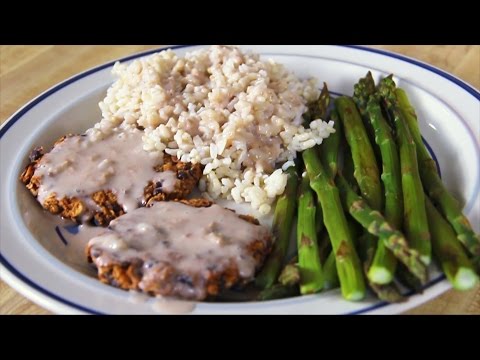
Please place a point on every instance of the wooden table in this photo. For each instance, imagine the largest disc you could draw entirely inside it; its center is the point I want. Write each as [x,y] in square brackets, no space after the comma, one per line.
[26,71]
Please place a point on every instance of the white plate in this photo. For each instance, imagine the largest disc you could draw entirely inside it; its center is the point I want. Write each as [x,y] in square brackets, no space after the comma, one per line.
[36,263]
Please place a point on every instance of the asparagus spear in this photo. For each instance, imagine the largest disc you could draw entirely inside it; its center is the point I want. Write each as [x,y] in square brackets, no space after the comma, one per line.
[311,274]
[348,263]
[310,251]
[278,291]
[385,292]
[287,285]
[455,263]
[384,263]
[388,292]
[330,273]
[376,225]
[434,186]
[331,145]
[348,168]
[319,110]
[416,224]
[366,171]
[282,228]
[321,177]
[362,92]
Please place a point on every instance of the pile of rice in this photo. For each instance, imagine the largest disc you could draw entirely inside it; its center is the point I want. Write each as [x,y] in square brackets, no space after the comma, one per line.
[237,115]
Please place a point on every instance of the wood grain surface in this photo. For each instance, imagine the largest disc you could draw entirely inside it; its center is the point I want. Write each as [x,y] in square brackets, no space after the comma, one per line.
[26,71]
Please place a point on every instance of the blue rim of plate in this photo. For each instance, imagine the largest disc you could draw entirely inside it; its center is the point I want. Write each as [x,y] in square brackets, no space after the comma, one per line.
[75,78]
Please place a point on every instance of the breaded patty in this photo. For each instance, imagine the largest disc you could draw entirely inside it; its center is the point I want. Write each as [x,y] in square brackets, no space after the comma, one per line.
[187,175]
[101,204]
[191,250]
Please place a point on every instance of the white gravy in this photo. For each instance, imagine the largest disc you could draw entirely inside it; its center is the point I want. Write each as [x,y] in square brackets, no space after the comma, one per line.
[173,306]
[78,167]
[193,240]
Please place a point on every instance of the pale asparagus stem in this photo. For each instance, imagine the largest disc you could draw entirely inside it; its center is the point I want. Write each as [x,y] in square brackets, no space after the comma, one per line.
[434,186]
[415,223]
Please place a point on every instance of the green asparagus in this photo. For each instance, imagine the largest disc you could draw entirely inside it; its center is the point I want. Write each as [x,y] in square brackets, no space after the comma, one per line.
[362,92]
[331,145]
[434,186]
[310,267]
[319,110]
[282,228]
[384,263]
[366,171]
[455,264]
[387,292]
[348,263]
[415,216]
[365,164]
[375,224]
[330,273]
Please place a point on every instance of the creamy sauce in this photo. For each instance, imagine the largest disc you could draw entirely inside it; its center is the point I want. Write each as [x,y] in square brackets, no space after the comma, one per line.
[193,240]
[162,304]
[172,306]
[78,167]
[137,297]
[86,233]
